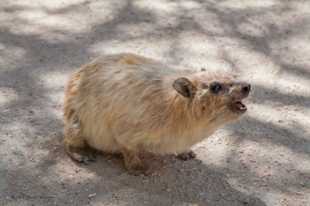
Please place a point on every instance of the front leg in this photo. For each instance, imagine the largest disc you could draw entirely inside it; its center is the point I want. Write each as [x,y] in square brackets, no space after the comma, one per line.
[186,155]
[133,163]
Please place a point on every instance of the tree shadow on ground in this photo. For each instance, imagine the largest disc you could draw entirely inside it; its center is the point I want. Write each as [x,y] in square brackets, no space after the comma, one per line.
[180,183]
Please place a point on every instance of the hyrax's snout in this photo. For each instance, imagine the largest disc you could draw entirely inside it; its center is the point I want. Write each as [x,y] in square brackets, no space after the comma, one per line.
[241,90]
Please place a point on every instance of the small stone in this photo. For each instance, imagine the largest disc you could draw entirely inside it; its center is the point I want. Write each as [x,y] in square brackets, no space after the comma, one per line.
[92,195]
[245,202]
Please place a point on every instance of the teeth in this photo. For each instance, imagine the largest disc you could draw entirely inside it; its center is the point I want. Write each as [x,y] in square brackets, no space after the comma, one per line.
[240,106]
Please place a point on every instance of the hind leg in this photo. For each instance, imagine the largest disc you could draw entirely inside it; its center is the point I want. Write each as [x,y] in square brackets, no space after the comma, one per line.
[75,144]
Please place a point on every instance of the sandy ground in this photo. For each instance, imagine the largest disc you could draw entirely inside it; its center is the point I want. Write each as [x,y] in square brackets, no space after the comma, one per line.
[264,159]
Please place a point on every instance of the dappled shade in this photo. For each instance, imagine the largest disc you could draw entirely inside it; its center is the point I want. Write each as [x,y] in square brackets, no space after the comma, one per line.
[261,160]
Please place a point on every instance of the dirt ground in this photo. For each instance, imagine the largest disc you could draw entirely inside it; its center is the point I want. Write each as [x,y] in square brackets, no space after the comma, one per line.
[263,159]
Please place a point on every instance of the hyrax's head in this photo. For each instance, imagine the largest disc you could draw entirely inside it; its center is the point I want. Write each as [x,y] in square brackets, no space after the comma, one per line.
[213,97]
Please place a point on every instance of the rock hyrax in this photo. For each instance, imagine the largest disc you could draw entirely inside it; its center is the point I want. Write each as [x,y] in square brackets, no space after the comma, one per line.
[132,105]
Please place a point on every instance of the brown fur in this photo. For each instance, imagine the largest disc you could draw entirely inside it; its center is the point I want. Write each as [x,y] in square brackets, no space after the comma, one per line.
[126,103]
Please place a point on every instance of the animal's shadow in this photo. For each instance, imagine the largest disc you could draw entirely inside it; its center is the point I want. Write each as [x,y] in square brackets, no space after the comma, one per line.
[178,183]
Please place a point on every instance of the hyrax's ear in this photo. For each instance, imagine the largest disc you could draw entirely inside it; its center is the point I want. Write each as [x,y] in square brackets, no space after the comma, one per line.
[185,87]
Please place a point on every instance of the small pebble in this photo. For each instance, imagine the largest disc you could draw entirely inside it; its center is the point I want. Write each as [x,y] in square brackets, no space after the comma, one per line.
[92,195]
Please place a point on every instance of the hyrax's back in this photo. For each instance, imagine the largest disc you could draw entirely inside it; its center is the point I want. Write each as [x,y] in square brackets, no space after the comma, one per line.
[118,100]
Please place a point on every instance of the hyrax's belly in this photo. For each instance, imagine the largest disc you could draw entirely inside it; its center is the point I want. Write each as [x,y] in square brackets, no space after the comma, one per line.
[173,143]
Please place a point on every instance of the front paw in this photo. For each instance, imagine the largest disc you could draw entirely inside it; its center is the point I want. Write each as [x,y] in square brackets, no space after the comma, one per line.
[186,156]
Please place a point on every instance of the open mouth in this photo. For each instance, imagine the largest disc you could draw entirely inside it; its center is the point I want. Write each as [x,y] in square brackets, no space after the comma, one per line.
[238,106]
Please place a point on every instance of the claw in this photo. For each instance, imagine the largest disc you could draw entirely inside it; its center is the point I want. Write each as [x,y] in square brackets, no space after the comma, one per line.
[82,156]
[186,156]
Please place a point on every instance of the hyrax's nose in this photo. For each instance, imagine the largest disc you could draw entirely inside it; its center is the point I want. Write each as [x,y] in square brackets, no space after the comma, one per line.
[245,88]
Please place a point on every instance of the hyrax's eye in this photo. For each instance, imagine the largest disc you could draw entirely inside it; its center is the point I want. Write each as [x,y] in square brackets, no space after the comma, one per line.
[215,87]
